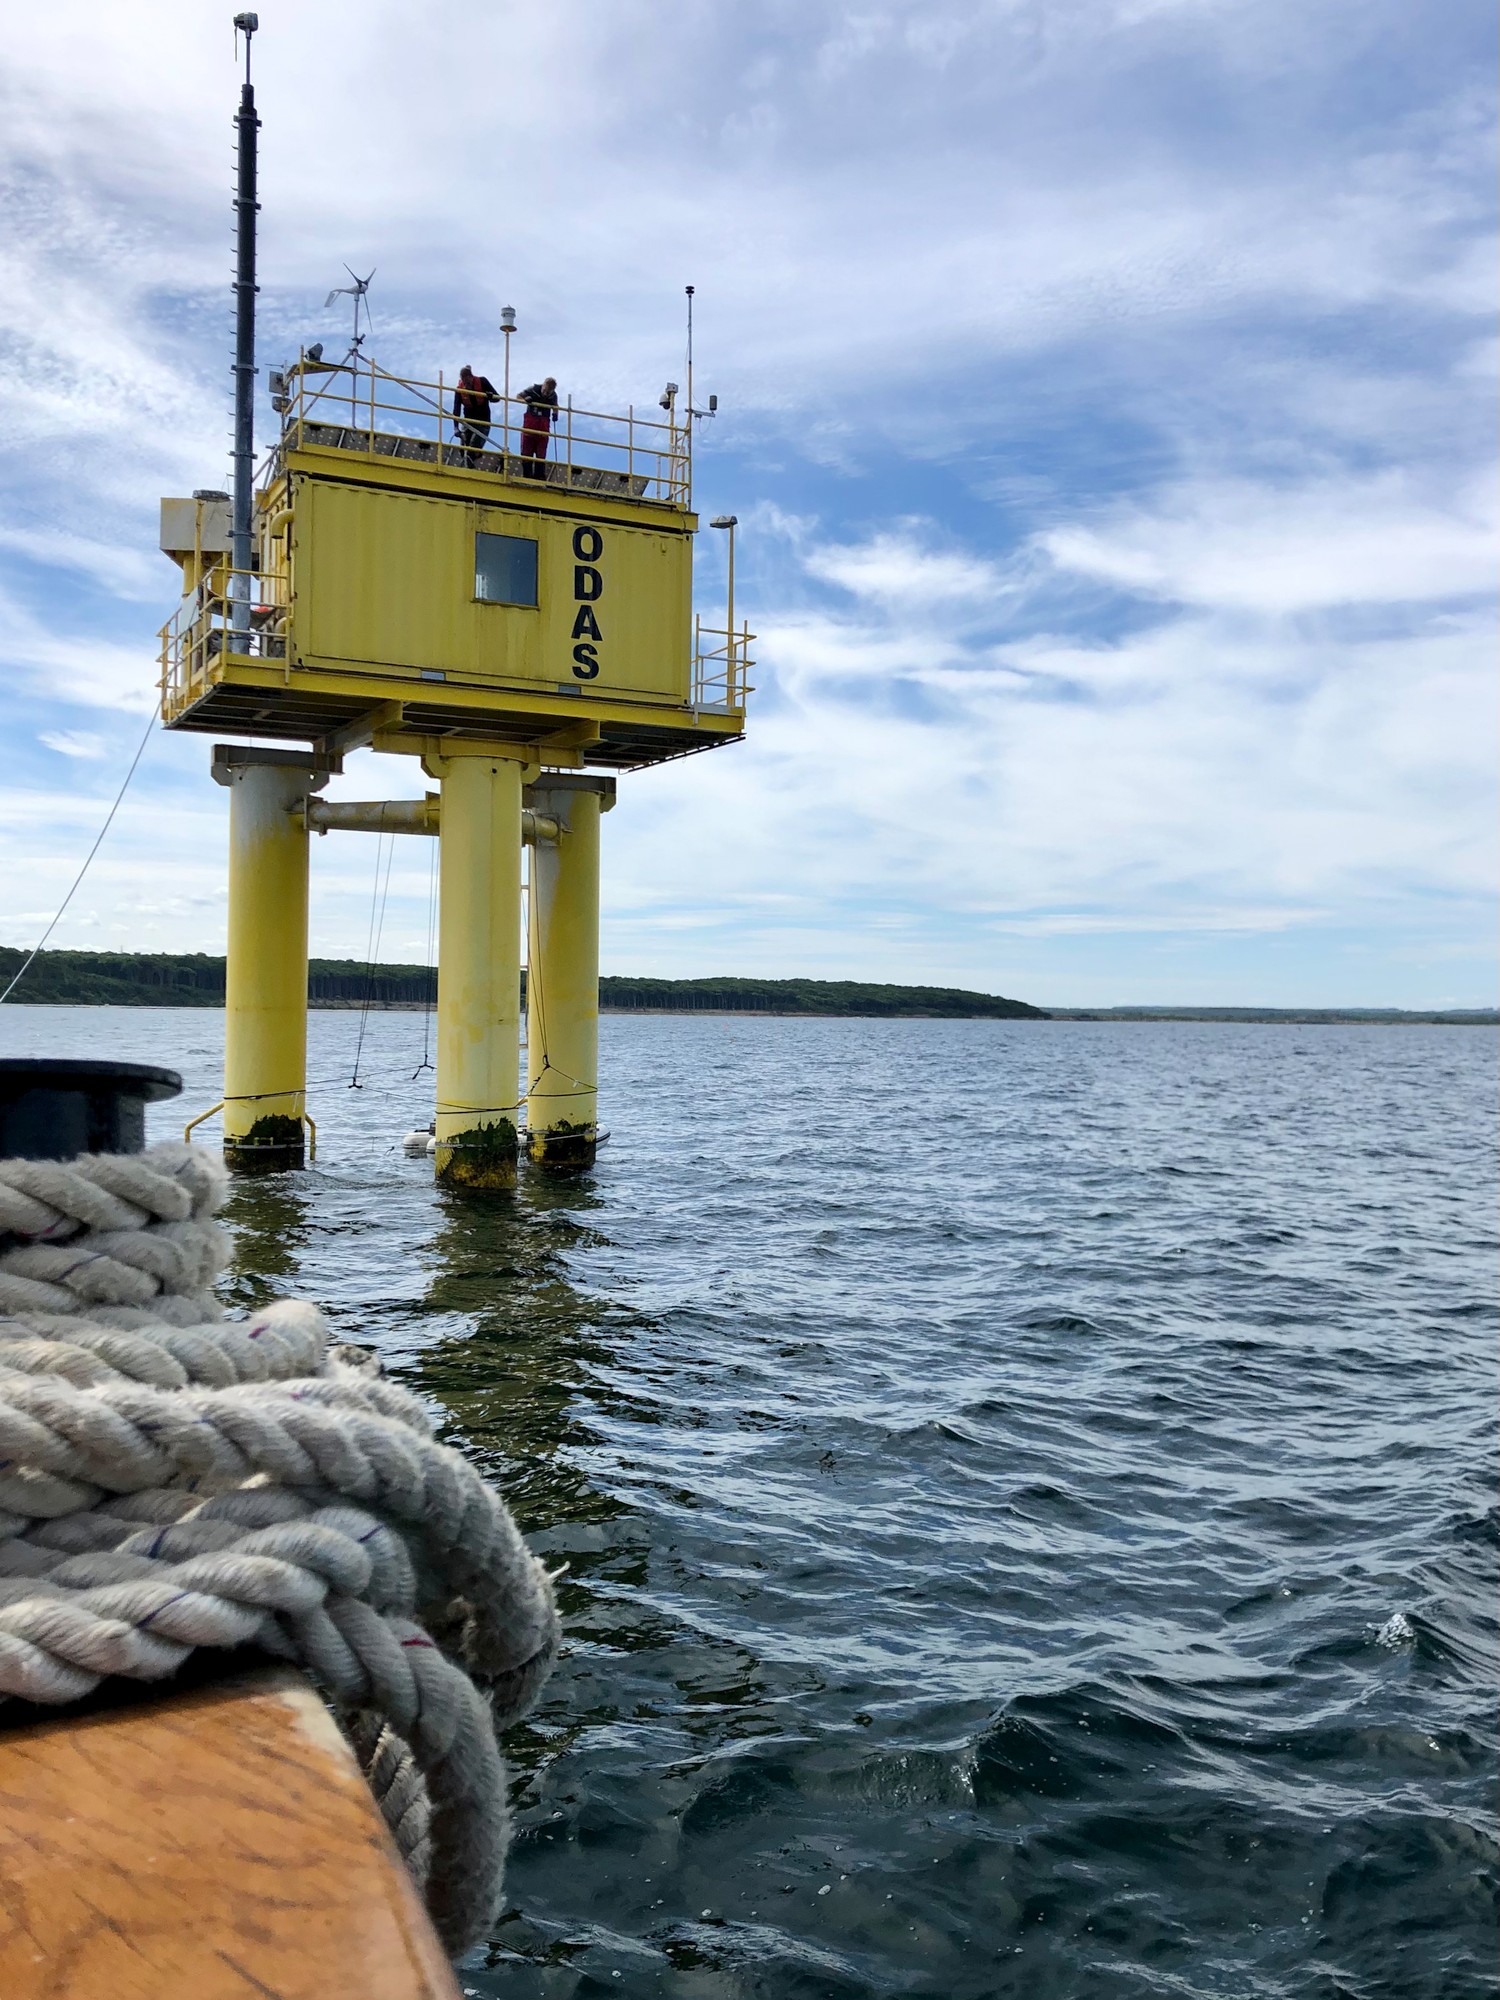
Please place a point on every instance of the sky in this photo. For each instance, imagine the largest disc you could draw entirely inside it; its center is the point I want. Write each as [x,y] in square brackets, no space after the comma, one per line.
[1106,397]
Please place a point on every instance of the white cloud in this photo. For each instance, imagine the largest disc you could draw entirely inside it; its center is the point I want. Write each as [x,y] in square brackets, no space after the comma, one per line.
[1216,772]
[73,743]
[1062,417]
[130,574]
[1266,547]
[893,568]
[75,670]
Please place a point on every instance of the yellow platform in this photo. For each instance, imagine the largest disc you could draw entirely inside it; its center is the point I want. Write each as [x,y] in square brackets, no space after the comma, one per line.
[411,589]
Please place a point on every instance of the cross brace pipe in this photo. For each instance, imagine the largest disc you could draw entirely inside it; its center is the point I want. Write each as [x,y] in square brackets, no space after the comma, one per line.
[405,816]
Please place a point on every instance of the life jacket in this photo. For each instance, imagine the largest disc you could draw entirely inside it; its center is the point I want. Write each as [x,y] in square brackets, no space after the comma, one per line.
[472,398]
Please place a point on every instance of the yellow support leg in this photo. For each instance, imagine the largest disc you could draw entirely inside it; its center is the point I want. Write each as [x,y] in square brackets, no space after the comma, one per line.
[479,967]
[265,996]
[562,984]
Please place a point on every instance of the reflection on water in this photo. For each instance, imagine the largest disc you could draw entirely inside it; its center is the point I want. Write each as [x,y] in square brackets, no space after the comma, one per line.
[1057,1567]
[523,1340]
[269,1219]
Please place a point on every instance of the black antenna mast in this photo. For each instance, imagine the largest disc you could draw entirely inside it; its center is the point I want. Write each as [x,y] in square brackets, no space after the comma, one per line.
[246,208]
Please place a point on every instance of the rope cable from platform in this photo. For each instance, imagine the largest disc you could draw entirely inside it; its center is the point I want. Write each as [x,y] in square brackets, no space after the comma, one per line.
[140,751]
[536,992]
[432,893]
[377,928]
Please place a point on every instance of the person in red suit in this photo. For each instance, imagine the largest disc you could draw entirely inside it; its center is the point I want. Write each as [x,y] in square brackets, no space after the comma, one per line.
[536,426]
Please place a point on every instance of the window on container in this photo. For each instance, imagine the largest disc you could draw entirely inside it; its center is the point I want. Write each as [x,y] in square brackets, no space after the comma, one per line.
[504,569]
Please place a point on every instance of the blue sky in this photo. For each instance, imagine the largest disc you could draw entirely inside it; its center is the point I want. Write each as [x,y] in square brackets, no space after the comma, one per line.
[1106,391]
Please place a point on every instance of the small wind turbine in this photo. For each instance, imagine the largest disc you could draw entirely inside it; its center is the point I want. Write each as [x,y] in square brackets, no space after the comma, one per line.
[355,291]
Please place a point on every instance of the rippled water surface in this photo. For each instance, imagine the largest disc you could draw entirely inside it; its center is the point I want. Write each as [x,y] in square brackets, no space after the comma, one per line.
[1027,1490]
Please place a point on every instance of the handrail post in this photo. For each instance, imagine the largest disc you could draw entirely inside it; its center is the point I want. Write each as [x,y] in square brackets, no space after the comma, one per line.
[193,1123]
[442,405]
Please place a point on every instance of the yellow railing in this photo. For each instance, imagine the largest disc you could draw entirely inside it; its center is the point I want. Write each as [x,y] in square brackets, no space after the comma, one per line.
[247,615]
[229,612]
[719,670]
[355,405]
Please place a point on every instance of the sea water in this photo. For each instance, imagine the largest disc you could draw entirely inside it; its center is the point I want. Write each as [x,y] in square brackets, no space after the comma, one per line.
[1026,1487]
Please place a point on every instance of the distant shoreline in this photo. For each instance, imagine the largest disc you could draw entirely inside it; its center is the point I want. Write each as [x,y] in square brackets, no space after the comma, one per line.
[345,985]
[1292,1017]
[194,979]
[1102,1017]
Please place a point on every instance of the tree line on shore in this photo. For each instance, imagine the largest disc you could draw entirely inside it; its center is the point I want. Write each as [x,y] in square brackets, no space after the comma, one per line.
[194,979]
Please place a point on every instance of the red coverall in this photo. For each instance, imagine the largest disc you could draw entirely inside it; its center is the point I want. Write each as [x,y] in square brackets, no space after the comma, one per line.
[535,426]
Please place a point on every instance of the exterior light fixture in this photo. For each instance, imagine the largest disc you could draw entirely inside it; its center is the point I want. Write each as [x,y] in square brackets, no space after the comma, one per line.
[731,646]
[507,327]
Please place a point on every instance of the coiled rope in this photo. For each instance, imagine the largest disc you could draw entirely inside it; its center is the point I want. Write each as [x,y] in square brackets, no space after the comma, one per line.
[171,1481]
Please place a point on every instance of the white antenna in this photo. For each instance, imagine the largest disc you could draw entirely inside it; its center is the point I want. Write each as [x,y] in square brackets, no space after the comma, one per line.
[713,401]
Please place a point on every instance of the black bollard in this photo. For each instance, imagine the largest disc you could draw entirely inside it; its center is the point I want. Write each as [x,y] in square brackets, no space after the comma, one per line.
[54,1110]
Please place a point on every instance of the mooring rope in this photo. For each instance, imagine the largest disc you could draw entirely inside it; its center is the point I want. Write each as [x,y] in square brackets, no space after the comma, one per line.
[429,960]
[109,819]
[377,928]
[171,1481]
